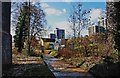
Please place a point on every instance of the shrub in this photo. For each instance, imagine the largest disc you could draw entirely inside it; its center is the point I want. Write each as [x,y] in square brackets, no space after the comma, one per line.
[53,52]
[65,53]
[47,45]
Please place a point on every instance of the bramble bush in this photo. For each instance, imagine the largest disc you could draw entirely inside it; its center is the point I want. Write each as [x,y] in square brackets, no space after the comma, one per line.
[65,53]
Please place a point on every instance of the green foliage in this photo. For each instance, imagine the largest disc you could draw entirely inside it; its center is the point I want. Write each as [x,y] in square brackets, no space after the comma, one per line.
[95,49]
[21,28]
[47,51]
[24,51]
[114,23]
[54,52]
[117,26]
[30,24]
[47,45]
[78,47]
[33,52]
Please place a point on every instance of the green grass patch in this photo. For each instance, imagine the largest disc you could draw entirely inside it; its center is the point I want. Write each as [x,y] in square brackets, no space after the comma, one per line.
[52,52]
[47,51]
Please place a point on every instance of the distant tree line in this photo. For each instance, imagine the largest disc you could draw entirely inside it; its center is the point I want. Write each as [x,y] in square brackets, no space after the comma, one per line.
[78,19]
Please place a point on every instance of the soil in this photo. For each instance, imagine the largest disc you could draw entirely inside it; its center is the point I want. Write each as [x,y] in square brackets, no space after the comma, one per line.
[27,66]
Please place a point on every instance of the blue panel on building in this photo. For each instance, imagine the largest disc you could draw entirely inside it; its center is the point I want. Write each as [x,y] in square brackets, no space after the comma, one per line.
[52,36]
[60,33]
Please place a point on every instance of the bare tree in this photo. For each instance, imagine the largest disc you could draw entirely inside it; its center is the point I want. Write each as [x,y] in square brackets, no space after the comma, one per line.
[36,23]
[82,18]
[32,17]
[72,21]
[79,19]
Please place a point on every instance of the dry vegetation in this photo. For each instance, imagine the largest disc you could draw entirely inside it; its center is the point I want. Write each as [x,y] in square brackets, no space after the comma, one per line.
[26,65]
[20,58]
[88,51]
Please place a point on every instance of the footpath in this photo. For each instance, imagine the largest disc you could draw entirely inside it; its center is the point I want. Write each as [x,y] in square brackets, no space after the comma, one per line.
[63,70]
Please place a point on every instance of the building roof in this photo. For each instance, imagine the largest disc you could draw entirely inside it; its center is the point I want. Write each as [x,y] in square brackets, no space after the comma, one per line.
[48,40]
